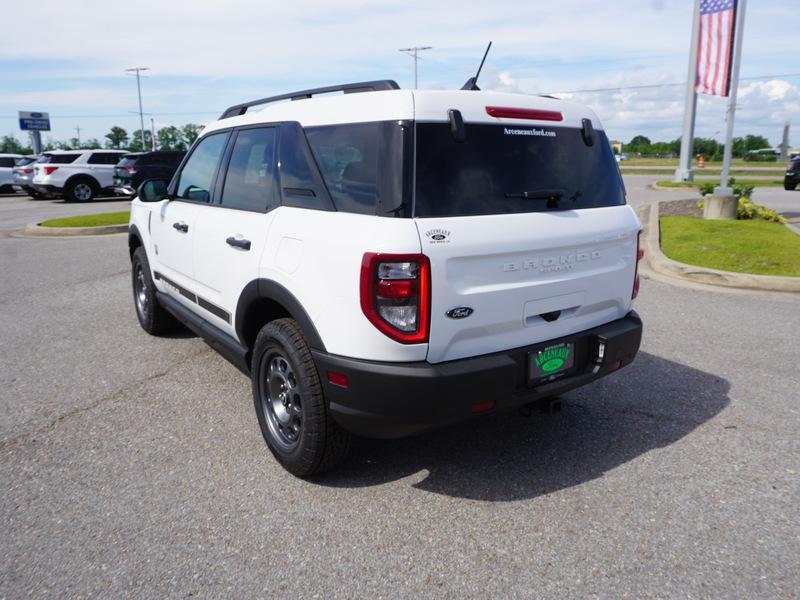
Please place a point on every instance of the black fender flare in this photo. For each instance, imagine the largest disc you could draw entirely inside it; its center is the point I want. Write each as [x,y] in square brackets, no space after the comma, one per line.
[133,234]
[267,289]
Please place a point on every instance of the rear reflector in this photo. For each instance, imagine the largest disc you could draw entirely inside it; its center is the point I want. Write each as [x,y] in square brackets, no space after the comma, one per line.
[524,113]
[339,379]
[482,406]
[614,366]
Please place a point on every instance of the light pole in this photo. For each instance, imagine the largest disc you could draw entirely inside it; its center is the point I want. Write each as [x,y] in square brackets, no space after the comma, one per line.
[414,52]
[137,70]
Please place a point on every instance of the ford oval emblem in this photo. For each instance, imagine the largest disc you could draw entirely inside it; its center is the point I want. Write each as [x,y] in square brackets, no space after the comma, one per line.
[36,115]
[460,312]
[438,237]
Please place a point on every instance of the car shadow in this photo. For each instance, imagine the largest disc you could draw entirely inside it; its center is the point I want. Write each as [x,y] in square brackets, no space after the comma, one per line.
[649,405]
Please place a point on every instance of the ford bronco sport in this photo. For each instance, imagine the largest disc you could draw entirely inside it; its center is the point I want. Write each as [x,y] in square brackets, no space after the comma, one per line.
[383,262]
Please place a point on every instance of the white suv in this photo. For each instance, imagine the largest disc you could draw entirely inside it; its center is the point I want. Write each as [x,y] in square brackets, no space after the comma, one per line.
[77,175]
[387,262]
[7,164]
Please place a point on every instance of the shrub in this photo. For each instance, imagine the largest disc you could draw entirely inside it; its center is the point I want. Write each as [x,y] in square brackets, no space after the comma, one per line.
[750,210]
[707,187]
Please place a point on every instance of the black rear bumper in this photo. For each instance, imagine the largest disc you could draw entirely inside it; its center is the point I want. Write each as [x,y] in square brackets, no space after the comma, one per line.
[390,400]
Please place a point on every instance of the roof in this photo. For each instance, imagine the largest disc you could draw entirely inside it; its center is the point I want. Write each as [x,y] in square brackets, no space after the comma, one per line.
[422,105]
[82,150]
[11,155]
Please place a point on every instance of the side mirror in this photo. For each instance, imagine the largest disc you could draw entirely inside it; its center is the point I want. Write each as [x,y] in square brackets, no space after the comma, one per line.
[152,190]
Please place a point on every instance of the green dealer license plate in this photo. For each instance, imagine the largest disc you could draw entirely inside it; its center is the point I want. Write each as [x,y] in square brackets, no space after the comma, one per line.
[550,362]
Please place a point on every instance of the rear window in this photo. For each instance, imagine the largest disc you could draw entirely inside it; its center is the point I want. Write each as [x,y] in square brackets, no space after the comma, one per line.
[23,162]
[58,159]
[497,166]
[128,161]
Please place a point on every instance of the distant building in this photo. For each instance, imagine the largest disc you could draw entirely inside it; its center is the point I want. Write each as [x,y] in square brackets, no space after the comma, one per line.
[616,146]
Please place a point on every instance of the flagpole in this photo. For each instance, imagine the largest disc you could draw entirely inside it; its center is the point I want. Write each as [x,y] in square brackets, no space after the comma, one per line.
[723,189]
[684,171]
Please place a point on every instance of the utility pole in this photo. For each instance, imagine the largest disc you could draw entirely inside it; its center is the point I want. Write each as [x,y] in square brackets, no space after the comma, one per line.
[153,134]
[414,52]
[684,171]
[78,130]
[724,189]
[138,70]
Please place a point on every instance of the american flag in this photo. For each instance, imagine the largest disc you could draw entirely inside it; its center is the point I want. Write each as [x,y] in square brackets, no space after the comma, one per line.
[714,55]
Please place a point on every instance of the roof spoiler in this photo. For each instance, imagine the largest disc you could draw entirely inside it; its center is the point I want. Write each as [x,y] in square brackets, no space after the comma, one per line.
[347,88]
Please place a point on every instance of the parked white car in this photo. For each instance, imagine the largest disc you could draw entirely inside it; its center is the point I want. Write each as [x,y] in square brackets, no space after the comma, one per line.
[77,175]
[7,164]
[384,262]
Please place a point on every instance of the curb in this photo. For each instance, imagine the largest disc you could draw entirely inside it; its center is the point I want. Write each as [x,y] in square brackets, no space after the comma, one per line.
[34,229]
[683,188]
[666,266]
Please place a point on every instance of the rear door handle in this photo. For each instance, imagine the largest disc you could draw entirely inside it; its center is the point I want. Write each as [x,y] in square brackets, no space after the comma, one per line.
[238,243]
[181,227]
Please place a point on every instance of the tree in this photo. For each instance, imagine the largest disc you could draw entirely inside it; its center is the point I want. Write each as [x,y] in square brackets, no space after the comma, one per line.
[170,138]
[639,140]
[136,141]
[189,133]
[117,138]
[11,145]
[755,142]
[91,144]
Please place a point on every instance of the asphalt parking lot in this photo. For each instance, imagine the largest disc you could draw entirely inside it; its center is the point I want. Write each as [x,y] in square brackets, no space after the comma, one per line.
[133,466]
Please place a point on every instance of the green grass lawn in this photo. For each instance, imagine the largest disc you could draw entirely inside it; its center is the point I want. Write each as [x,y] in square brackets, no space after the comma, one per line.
[115,218]
[739,181]
[757,247]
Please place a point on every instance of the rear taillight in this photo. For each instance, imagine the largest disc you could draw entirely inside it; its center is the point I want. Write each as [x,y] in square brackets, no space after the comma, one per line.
[131,170]
[639,256]
[524,113]
[395,295]
[26,170]
[48,170]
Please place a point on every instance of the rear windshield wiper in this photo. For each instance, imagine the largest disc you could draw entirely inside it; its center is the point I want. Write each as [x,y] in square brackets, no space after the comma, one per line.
[549,195]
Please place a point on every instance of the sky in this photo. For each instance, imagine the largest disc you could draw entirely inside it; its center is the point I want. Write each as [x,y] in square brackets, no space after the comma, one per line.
[205,56]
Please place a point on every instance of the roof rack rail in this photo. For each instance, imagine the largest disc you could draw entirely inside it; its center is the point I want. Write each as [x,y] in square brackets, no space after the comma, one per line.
[347,88]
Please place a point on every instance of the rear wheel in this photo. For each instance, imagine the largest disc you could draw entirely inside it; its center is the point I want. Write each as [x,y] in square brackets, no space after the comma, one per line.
[290,403]
[80,190]
[153,317]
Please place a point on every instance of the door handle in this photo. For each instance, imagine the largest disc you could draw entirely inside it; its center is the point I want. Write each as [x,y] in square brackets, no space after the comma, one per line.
[181,227]
[238,243]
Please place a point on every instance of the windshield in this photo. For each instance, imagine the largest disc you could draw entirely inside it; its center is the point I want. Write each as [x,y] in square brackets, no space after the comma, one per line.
[502,169]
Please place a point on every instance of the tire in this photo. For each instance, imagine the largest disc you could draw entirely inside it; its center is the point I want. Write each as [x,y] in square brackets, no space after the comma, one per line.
[153,317]
[80,190]
[290,404]
[789,185]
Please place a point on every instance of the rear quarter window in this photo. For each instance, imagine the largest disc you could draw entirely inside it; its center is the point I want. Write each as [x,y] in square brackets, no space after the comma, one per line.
[58,159]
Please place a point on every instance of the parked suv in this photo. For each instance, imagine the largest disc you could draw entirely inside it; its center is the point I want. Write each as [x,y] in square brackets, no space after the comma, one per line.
[22,175]
[77,175]
[792,177]
[134,168]
[7,163]
[387,262]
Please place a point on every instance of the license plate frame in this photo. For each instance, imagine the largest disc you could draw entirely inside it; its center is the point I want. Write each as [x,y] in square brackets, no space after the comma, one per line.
[550,362]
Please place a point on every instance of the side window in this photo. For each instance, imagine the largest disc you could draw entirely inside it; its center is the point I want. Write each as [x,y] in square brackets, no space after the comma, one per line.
[97,158]
[249,181]
[194,182]
[301,185]
[6,161]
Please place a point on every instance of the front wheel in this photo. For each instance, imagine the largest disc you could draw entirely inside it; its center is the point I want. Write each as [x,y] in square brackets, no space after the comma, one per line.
[153,317]
[290,404]
[789,185]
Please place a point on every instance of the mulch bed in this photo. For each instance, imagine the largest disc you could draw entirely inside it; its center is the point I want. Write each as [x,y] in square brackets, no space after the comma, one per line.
[680,208]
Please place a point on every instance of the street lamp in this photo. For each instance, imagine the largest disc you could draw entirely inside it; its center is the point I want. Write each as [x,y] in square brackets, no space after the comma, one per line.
[137,70]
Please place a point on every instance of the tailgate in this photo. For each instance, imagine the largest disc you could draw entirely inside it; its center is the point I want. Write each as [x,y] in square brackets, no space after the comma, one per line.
[528,277]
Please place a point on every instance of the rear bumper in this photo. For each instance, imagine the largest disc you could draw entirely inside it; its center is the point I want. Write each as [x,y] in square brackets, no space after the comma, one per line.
[391,400]
[124,190]
[46,189]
